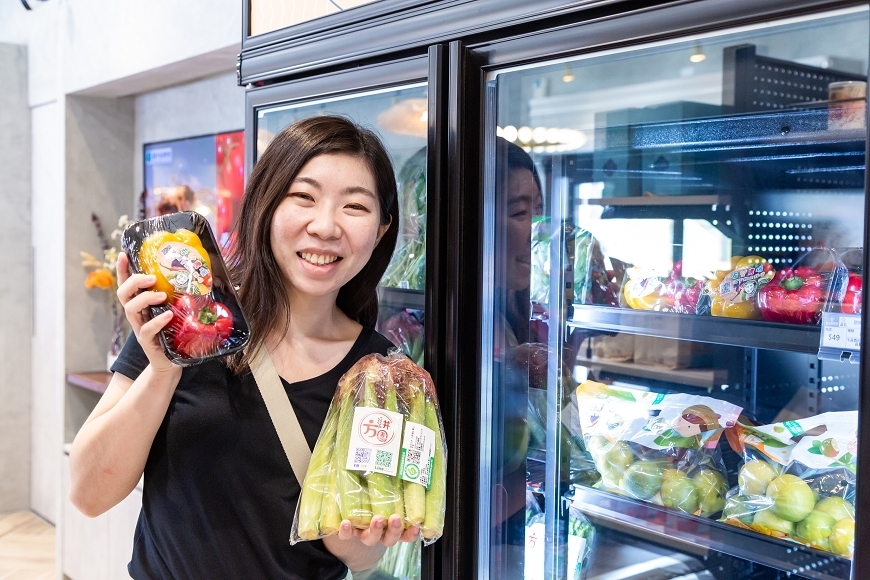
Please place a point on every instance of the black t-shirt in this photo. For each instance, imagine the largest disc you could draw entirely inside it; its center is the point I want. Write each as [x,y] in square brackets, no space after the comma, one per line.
[219,494]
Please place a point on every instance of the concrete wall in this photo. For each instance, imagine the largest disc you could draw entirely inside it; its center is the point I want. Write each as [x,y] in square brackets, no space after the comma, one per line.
[210,105]
[81,57]
[16,313]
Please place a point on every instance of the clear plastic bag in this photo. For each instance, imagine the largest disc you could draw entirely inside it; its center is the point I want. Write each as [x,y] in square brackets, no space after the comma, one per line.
[798,480]
[660,448]
[850,302]
[179,249]
[381,451]
[798,294]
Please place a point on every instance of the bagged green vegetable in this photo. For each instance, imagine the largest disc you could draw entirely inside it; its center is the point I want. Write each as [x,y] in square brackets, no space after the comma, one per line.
[798,480]
[381,451]
[660,448]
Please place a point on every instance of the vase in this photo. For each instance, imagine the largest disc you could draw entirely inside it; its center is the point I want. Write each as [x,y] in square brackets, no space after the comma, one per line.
[117,342]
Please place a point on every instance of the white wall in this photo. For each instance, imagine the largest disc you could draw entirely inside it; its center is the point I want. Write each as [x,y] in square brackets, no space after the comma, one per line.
[94,48]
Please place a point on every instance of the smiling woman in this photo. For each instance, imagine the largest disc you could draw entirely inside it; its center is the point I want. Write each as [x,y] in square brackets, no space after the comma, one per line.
[316,231]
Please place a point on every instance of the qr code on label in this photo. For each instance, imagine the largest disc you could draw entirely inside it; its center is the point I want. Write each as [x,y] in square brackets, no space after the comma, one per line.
[362,455]
[383,459]
[412,456]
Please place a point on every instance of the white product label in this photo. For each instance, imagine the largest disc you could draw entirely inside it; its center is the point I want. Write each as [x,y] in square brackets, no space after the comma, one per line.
[374,441]
[418,454]
[576,547]
[841,331]
[535,555]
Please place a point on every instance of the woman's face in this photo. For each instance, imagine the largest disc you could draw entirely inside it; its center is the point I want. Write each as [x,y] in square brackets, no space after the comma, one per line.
[325,229]
[523,201]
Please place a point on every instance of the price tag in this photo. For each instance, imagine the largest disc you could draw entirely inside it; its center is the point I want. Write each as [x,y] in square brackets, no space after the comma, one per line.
[841,331]
[841,337]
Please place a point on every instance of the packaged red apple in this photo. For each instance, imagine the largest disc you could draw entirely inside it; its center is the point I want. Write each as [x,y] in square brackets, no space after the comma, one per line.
[797,480]
[799,293]
[661,448]
[381,451]
[180,251]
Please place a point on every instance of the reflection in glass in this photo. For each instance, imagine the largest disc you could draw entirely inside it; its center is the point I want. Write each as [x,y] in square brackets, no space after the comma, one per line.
[673,224]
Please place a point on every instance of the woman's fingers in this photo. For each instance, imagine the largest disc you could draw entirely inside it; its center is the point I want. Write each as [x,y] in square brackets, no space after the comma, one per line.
[410,535]
[150,329]
[122,268]
[393,531]
[372,536]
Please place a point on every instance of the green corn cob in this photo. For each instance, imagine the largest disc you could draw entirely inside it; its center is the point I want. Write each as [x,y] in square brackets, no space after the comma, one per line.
[392,404]
[381,489]
[349,487]
[415,494]
[433,525]
[330,516]
[316,481]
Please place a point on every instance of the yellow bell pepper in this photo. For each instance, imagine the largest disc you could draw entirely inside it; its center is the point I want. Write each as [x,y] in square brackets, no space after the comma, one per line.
[178,261]
[647,293]
[734,307]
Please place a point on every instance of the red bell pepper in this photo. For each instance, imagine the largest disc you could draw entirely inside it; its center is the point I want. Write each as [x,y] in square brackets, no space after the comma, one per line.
[685,291]
[200,326]
[852,298]
[795,295]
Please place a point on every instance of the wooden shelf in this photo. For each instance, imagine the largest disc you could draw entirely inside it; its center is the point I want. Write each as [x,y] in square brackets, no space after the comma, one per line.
[93,381]
[706,378]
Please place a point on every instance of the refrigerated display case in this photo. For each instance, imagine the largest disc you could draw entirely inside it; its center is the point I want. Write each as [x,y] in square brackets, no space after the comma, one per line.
[668,220]
[644,242]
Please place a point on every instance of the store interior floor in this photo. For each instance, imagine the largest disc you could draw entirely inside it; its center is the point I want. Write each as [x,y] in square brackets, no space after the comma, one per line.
[27,544]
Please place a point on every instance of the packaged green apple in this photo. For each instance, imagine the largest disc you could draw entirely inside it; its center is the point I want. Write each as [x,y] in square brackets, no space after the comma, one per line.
[798,480]
[661,448]
[381,451]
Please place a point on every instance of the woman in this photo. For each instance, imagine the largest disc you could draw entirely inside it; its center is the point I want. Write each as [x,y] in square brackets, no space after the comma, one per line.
[316,231]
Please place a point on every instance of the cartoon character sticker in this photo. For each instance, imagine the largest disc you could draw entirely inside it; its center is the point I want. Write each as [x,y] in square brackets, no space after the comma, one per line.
[690,427]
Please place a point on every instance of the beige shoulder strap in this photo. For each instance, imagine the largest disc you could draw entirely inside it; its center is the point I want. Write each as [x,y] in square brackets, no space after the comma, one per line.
[282,413]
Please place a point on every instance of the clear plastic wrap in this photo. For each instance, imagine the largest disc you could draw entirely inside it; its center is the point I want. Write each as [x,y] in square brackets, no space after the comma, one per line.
[798,480]
[850,303]
[381,451]
[798,294]
[661,448]
[179,249]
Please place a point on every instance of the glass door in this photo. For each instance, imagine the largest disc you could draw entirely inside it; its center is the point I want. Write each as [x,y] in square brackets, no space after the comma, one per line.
[398,114]
[677,244]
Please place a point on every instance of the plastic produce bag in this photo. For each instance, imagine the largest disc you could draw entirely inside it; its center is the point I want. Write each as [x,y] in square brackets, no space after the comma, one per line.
[179,249]
[661,448]
[798,480]
[381,451]
[798,294]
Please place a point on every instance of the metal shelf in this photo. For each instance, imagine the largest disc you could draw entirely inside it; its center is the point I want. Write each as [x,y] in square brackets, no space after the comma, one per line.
[730,331]
[704,378]
[700,536]
[401,297]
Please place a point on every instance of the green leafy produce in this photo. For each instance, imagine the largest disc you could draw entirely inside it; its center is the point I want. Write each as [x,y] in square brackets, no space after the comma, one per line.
[407,269]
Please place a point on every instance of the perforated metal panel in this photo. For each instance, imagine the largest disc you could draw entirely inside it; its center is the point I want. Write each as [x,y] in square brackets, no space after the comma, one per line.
[759,83]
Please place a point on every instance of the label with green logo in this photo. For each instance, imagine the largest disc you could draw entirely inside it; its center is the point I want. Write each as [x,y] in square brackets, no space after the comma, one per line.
[417,455]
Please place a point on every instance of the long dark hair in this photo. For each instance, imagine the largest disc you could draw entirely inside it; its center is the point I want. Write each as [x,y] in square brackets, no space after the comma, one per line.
[252,262]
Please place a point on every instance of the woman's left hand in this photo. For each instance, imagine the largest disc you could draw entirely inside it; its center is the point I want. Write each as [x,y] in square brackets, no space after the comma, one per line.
[387,533]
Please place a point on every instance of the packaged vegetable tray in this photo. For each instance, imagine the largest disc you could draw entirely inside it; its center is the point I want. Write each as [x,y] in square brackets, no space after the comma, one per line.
[798,480]
[660,448]
[798,294]
[180,251]
[381,451]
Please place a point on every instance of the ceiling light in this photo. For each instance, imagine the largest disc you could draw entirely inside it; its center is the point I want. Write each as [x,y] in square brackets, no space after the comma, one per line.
[568,76]
[697,54]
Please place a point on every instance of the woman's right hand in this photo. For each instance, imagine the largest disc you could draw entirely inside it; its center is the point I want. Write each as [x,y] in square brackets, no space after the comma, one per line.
[135,294]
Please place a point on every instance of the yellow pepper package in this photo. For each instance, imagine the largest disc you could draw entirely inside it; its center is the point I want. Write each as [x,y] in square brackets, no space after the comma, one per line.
[661,448]
[381,451]
[180,251]
[798,480]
